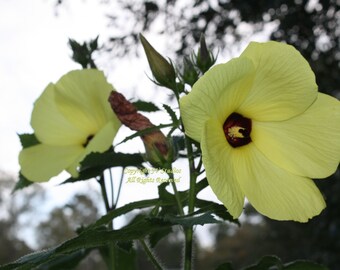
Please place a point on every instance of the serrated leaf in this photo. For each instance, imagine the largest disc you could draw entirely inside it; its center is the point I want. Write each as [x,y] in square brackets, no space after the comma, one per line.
[28,140]
[225,266]
[303,265]
[188,220]
[266,263]
[172,114]
[145,106]
[22,183]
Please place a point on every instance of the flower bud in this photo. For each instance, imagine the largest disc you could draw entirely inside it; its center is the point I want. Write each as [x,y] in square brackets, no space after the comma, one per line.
[159,151]
[204,59]
[190,73]
[162,70]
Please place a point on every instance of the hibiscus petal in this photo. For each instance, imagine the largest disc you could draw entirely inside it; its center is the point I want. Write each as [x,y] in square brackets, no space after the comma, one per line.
[99,143]
[41,162]
[49,125]
[275,192]
[82,97]
[220,174]
[217,94]
[284,84]
[307,145]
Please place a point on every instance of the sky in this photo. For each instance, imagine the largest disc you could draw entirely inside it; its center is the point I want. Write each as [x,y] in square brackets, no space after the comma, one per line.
[34,52]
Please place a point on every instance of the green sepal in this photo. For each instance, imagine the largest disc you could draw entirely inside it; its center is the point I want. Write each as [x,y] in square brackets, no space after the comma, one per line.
[82,53]
[22,183]
[28,140]
[145,106]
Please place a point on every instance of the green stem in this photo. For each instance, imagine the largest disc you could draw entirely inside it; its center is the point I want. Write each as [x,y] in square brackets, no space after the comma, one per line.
[193,175]
[178,199]
[111,245]
[101,182]
[191,205]
[188,249]
[150,255]
[112,255]
[119,187]
[112,190]
[192,197]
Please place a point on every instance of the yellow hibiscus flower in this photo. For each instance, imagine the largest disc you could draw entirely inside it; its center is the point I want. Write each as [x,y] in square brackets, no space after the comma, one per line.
[71,119]
[265,131]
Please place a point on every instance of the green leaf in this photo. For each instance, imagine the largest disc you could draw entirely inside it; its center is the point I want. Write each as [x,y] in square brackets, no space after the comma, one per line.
[22,183]
[95,163]
[170,200]
[303,265]
[266,263]
[104,220]
[69,261]
[111,159]
[28,140]
[215,208]
[172,114]
[201,185]
[188,220]
[125,245]
[123,258]
[94,238]
[145,106]
[225,266]
[83,53]
[154,238]
[179,142]
[144,131]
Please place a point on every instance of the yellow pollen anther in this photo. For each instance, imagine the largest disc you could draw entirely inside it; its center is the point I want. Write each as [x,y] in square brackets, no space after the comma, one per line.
[234,132]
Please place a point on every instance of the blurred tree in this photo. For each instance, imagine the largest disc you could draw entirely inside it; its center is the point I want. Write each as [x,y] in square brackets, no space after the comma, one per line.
[19,222]
[62,224]
[313,27]
[11,247]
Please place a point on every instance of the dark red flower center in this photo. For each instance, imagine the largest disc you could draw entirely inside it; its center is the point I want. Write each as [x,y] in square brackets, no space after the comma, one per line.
[237,130]
[88,139]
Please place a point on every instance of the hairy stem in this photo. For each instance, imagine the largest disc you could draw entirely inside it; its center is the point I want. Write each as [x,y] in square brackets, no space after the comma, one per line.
[178,199]
[150,255]
[191,205]
[111,245]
